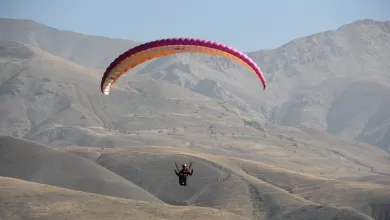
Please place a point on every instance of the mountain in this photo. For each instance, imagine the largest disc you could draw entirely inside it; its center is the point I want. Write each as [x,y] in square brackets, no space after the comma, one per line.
[245,166]
[58,103]
[91,51]
[313,81]
[335,81]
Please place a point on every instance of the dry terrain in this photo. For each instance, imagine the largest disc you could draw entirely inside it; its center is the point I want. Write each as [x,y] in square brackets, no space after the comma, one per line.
[313,145]
[234,186]
[45,99]
[25,200]
[335,81]
[33,162]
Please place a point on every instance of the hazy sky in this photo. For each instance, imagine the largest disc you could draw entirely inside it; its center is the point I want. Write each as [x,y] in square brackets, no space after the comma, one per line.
[246,24]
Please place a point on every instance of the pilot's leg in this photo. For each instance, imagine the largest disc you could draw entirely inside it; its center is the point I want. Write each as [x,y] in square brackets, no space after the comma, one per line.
[181,181]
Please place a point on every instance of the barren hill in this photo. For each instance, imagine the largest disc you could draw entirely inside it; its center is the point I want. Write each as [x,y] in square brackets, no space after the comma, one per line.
[253,190]
[312,81]
[26,200]
[234,186]
[33,162]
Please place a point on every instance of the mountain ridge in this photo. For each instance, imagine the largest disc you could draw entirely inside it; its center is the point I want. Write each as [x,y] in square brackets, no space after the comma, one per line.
[58,103]
[355,51]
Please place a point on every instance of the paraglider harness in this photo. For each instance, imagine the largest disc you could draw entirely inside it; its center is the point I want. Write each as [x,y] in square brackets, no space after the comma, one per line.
[183,173]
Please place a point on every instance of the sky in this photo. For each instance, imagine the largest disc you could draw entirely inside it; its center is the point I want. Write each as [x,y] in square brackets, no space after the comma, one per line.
[248,25]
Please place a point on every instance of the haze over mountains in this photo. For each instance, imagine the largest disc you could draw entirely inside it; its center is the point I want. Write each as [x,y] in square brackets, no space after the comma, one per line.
[313,81]
[259,154]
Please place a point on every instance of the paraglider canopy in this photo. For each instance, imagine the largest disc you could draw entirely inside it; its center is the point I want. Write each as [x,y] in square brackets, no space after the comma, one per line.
[170,46]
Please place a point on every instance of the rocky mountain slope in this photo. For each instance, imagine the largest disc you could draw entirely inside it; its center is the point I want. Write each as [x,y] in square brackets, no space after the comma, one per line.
[314,81]
[53,101]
